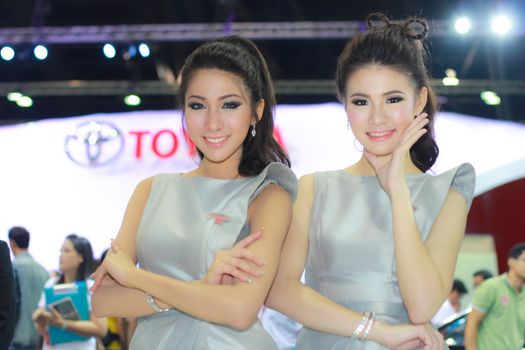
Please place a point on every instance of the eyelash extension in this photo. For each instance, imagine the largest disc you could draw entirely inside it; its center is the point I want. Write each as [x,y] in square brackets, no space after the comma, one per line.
[196,105]
[397,98]
[359,102]
[231,105]
[227,105]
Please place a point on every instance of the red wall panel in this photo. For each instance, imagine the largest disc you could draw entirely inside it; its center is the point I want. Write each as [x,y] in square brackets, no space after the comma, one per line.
[501,213]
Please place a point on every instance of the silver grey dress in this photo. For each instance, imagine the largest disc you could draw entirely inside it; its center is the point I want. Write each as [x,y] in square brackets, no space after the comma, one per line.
[351,255]
[186,221]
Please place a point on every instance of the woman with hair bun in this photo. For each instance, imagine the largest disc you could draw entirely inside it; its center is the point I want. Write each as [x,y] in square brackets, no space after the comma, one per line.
[175,224]
[379,239]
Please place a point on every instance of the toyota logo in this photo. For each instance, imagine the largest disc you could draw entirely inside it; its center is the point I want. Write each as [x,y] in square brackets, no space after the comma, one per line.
[94,143]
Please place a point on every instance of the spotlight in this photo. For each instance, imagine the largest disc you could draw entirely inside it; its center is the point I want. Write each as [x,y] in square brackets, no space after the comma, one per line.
[132,100]
[132,52]
[501,24]
[14,96]
[144,50]
[24,101]
[109,51]
[490,98]
[450,79]
[7,53]
[462,25]
[40,52]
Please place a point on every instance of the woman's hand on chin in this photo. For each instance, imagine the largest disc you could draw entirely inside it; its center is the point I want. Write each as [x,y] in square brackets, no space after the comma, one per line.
[391,174]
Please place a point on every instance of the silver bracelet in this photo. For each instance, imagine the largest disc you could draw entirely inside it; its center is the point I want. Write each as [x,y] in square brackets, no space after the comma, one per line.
[153,305]
[368,326]
[361,326]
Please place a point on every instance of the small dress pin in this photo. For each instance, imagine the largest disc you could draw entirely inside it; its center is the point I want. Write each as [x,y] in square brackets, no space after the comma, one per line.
[218,219]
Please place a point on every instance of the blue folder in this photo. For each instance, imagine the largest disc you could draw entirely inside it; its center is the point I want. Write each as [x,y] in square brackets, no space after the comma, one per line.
[79,295]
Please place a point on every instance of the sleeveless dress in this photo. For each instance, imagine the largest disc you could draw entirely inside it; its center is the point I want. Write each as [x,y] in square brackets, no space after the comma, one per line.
[351,244]
[185,222]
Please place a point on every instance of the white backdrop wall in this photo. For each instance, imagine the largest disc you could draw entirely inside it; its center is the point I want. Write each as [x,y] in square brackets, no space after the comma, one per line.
[42,189]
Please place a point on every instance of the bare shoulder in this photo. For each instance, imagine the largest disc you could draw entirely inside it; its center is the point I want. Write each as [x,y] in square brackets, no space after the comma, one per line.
[143,189]
[307,179]
[306,187]
[145,184]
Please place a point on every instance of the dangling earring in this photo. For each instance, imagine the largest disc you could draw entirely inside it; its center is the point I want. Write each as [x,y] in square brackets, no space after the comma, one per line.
[357,148]
[253,132]
[347,125]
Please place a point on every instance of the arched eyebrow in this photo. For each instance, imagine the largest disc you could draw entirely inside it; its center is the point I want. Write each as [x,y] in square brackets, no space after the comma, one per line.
[221,97]
[197,97]
[231,95]
[391,92]
[360,94]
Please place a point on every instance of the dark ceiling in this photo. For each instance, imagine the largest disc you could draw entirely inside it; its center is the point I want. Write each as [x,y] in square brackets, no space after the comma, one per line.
[483,60]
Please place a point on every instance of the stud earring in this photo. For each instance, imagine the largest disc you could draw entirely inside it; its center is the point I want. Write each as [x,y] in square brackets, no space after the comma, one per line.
[358,149]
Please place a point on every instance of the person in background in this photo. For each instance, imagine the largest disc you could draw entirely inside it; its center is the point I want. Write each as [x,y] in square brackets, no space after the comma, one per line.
[497,319]
[7,297]
[452,304]
[480,276]
[31,279]
[76,264]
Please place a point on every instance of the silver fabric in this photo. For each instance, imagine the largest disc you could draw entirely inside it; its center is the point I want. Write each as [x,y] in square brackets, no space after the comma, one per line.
[351,249]
[178,237]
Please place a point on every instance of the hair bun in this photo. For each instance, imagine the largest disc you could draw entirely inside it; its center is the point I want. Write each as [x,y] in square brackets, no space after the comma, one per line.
[414,28]
[377,20]
[417,28]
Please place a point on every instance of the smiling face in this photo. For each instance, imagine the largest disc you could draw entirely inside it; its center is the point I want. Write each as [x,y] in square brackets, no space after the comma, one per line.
[380,103]
[218,115]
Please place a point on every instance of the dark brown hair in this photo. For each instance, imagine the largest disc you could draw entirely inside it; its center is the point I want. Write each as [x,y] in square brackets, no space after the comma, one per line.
[516,250]
[398,46]
[241,57]
[20,235]
[83,248]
